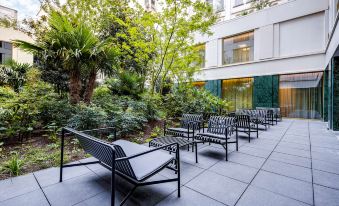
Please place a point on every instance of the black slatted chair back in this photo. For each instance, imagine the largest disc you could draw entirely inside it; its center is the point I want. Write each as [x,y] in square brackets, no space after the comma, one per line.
[188,118]
[243,121]
[221,125]
[123,166]
[102,151]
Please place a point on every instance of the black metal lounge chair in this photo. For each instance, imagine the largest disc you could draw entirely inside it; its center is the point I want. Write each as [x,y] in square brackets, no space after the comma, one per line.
[133,162]
[276,116]
[219,131]
[189,125]
[245,125]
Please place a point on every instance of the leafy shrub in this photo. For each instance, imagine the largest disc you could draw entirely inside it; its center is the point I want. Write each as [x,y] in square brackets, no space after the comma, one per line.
[22,112]
[186,99]
[13,166]
[127,122]
[126,84]
[102,97]
[88,117]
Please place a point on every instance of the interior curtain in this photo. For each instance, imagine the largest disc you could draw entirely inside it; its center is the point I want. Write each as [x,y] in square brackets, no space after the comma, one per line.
[300,95]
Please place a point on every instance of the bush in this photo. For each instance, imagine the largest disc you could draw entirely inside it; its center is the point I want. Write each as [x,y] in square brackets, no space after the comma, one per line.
[88,117]
[126,84]
[187,99]
[21,112]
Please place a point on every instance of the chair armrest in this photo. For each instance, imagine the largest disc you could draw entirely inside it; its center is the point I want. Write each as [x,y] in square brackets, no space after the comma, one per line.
[146,152]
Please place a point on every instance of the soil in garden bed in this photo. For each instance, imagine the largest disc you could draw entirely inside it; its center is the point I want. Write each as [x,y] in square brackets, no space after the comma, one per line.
[40,152]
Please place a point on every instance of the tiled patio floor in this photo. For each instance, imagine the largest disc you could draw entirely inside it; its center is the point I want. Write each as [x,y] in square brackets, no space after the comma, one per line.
[293,163]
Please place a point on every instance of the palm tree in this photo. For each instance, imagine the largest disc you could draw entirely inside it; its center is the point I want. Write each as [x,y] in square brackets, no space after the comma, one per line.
[77,47]
[13,73]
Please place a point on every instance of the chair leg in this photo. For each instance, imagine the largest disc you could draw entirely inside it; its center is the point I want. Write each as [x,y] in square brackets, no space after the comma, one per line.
[178,168]
[62,154]
[249,135]
[236,141]
[226,151]
[128,195]
[196,152]
[257,131]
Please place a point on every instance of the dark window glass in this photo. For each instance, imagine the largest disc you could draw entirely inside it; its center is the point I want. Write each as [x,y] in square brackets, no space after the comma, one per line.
[1,58]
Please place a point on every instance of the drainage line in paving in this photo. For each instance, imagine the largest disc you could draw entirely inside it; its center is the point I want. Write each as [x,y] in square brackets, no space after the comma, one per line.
[264,164]
[41,189]
[309,137]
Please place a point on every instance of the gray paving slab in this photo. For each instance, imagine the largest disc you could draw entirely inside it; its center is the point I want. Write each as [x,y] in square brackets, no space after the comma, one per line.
[74,190]
[324,196]
[35,198]
[189,197]
[17,186]
[291,159]
[51,176]
[246,159]
[325,166]
[258,196]
[218,187]
[289,187]
[188,172]
[326,179]
[234,170]
[289,170]
[255,151]
[292,151]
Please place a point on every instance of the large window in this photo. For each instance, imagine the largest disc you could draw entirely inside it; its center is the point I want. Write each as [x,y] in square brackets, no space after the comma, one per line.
[238,92]
[238,48]
[199,85]
[300,95]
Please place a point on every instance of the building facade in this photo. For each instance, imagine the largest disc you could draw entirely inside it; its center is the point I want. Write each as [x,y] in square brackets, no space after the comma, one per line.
[282,56]
[7,51]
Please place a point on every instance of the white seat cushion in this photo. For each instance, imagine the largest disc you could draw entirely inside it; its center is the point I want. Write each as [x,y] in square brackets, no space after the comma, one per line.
[144,165]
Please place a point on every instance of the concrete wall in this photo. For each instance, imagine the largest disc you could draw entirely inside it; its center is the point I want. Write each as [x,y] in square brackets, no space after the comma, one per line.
[9,34]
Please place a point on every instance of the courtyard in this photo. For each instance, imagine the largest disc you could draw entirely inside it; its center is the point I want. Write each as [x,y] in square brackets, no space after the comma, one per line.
[293,163]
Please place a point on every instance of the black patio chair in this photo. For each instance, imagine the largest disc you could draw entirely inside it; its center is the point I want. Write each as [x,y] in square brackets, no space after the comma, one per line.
[245,125]
[273,114]
[189,125]
[132,162]
[219,131]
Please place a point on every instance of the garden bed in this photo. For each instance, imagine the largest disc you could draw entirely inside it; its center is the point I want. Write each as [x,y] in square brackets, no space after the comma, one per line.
[40,152]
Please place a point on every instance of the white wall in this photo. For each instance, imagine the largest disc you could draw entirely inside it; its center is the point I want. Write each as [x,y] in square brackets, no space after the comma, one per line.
[303,35]
[300,64]
[9,34]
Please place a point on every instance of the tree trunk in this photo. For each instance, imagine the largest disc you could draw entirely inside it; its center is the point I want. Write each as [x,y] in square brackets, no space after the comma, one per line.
[90,86]
[74,86]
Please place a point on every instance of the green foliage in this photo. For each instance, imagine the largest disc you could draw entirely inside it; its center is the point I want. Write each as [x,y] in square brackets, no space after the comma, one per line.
[156,132]
[172,31]
[13,166]
[22,112]
[186,99]
[126,84]
[13,74]
[88,117]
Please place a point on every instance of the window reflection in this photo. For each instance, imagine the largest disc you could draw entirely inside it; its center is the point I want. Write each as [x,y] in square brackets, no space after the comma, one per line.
[300,95]
[238,92]
[238,48]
